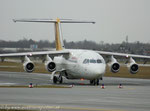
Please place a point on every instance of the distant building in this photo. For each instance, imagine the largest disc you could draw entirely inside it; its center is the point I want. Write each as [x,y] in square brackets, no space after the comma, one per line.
[34,46]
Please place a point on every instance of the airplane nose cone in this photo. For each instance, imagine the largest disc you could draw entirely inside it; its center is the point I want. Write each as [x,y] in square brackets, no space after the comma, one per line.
[97,70]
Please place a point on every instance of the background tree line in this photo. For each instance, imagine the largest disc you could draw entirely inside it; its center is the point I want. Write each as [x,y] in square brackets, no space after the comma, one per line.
[124,47]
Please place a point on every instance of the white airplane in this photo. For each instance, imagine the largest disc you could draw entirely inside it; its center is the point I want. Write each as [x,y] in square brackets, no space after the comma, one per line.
[74,63]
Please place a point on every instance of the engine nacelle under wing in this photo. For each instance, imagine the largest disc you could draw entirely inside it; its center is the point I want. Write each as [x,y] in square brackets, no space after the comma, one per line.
[132,66]
[49,64]
[114,65]
[28,65]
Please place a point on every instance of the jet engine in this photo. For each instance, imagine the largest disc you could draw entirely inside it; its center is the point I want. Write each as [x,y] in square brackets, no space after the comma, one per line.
[132,66]
[28,65]
[114,65]
[49,64]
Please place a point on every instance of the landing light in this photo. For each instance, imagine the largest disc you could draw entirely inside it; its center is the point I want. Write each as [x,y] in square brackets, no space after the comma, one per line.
[30,54]
[72,53]
[127,56]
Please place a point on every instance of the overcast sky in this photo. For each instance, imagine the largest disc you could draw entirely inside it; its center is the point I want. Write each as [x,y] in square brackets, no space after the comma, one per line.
[115,19]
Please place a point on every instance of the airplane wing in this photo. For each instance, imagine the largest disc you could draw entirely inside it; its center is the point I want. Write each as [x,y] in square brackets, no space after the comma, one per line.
[45,56]
[111,60]
[35,54]
[123,55]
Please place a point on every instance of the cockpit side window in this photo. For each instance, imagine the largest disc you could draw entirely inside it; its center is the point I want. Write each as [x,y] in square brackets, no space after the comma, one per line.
[99,61]
[86,61]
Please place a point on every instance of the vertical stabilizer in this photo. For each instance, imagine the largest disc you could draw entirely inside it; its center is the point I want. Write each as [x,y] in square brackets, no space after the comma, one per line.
[58,36]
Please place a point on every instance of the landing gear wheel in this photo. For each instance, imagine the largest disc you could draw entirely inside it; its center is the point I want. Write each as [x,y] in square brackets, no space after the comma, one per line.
[55,79]
[91,82]
[101,78]
[60,79]
[94,82]
[97,81]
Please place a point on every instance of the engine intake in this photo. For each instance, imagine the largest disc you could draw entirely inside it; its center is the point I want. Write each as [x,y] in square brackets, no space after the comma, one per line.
[28,66]
[133,66]
[114,65]
[50,66]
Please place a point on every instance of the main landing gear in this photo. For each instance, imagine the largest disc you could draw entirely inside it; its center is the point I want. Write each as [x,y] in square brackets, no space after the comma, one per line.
[57,79]
[94,82]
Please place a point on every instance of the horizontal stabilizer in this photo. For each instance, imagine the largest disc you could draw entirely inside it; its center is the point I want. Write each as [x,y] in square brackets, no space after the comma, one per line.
[53,20]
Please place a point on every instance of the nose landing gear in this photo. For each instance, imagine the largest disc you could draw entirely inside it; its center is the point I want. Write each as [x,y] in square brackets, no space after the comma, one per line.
[57,79]
[94,82]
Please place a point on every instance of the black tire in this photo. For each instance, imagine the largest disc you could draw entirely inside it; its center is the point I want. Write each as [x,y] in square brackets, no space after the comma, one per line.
[60,80]
[97,82]
[101,78]
[94,82]
[55,79]
[91,82]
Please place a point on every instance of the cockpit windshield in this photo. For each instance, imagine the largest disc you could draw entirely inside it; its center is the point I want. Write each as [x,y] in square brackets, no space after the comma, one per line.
[93,61]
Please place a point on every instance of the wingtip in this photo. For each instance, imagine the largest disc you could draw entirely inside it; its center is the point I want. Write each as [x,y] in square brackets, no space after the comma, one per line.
[14,20]
[93,22]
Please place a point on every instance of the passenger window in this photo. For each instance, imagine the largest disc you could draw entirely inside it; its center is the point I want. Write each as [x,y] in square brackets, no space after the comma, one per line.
[92,61]
[99,61]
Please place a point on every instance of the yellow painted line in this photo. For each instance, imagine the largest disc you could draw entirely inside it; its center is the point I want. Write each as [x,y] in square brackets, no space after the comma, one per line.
[90,109]
[32,107]
[131,88]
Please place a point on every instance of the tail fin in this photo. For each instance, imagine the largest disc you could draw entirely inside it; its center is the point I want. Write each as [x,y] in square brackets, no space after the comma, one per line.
[58,36]
[58,33]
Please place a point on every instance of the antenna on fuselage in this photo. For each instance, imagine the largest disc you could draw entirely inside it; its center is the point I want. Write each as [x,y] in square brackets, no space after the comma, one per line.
[58,32]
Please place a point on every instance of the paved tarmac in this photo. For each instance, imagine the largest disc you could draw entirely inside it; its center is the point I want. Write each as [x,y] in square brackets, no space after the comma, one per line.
[134,96]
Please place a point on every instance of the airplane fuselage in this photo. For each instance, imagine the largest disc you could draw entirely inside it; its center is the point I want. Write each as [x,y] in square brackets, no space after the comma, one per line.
[81,64]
